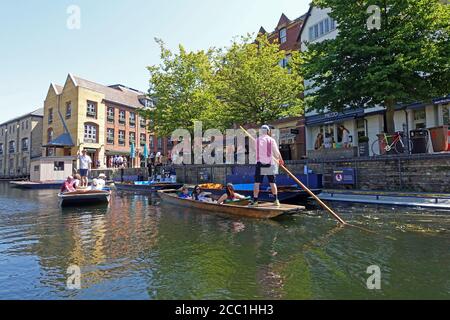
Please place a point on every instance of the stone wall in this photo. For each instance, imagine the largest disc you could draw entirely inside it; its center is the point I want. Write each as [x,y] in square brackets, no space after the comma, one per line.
[418,173]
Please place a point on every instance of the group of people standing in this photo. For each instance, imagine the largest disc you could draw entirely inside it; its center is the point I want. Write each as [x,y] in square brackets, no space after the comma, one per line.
[326,140]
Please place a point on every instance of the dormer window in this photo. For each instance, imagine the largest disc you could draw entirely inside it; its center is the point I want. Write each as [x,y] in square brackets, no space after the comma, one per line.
[283,35]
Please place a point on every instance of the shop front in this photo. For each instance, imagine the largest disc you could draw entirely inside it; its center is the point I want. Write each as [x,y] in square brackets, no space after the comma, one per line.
[335,134]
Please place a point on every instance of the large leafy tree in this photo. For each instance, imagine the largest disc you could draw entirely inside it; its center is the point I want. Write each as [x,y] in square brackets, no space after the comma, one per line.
[181,89]
[406,59]
[253,86]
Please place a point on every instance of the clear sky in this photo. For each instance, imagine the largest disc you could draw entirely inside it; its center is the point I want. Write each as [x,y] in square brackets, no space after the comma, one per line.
[115,41]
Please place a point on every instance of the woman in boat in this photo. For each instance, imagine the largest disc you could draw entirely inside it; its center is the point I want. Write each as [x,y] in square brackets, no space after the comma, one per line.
[230,195]
[68,185]
[198,195]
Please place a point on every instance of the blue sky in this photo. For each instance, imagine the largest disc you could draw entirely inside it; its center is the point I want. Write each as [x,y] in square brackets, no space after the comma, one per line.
[115,42]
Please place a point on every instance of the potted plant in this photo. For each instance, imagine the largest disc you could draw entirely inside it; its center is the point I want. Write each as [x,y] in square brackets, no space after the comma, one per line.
[363,146]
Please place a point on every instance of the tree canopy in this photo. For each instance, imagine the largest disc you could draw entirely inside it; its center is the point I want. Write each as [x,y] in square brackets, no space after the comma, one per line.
[240,84]
[405,60]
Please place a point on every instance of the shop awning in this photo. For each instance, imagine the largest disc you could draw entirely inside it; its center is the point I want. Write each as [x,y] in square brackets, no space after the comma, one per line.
[333,117]
[63,141]
[443,100]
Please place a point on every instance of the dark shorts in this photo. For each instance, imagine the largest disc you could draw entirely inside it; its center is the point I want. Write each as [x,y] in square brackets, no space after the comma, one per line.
[260,178]
[84,172]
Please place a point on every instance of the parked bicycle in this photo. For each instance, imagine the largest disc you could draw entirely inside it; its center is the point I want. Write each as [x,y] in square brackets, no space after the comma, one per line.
[381,146]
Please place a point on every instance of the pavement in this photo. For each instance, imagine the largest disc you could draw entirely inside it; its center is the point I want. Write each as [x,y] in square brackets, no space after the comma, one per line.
[410,199]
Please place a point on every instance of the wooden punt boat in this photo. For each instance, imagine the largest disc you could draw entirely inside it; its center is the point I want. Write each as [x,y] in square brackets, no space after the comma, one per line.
[80,198]
[286,194]
[264,210]
[150,187]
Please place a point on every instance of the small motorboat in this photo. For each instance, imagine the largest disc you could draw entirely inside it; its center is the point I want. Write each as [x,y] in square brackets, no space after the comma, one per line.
[84,197]
[149,186]
[264,210]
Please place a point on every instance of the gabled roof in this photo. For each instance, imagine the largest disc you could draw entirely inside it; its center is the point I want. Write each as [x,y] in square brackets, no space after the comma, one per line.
[262,31]
[284,20]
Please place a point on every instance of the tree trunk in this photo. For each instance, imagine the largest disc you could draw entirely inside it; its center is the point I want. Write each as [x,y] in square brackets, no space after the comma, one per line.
[390,111]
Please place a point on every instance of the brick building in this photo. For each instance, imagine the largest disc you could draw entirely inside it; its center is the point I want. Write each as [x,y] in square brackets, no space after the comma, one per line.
[104,120]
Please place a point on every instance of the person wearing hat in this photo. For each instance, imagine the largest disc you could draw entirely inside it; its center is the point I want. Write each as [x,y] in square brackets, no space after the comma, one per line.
[268,157]
[85,166]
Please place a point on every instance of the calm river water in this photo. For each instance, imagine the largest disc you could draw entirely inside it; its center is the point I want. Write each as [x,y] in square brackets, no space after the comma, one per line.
[139,249]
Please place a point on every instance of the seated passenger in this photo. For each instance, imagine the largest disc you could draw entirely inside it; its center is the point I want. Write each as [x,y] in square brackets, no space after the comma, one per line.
[198,195]
[101,181]
[96,185]
[185,193]
[230,196]
[68,185]
[77,181]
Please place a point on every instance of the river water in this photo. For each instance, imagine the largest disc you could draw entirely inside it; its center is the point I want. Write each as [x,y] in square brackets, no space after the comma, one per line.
[137,248]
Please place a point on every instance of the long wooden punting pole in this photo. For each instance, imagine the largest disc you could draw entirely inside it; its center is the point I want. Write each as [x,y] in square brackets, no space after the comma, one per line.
[322,204]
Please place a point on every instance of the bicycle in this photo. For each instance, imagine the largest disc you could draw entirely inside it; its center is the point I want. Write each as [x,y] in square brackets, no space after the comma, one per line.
[381,146]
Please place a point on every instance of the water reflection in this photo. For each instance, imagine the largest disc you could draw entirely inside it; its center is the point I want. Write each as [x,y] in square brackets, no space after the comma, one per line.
[136,248]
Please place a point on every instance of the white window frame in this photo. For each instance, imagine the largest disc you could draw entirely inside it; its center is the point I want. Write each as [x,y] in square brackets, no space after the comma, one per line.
[90,133]
[283,35]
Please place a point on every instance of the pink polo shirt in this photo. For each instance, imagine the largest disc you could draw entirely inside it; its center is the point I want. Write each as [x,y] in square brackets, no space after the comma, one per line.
[266,149]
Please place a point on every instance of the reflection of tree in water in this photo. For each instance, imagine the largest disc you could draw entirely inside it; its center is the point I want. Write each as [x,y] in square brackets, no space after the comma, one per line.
[103,243]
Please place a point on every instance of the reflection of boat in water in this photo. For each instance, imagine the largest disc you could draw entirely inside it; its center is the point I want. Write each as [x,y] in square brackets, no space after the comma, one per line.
[286,194]
[262,211]
[148,186]
[84,197]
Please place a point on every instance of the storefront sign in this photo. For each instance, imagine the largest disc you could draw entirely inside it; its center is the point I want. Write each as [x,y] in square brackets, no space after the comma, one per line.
[334,116]
[344,177]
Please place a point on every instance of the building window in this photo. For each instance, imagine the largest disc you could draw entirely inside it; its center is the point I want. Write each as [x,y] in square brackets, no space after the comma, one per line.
[321,28]
[122,119]
[152,142]
[91,109]
[90,133]
[50,115]
[419,119]
[11,164]
[283,35]
[59,166]
[143,123]
[110,136]
[12,147]
[327,25]
[26,125]
[121,137]
[24,164]
[68,110]
[132,138]
[36,168]
[110,114]
[332,24]
[1,148]
[25,145]
[49,135]
[132,118]
[160,143]
[143,139]
[446,114]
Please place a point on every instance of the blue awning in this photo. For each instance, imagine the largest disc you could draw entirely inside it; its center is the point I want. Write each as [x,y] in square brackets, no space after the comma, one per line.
[442,100]
[332,117]
[63,141]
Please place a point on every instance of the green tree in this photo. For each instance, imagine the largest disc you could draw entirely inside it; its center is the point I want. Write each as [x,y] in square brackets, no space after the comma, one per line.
[181,89]
[252,85]
[406,59]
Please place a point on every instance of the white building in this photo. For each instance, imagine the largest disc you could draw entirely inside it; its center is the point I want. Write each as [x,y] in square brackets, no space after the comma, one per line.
[319,26]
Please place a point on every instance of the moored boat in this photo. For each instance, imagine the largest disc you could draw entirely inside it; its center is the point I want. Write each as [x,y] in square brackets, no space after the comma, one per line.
[84,197]
[147,186]
[264,210]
